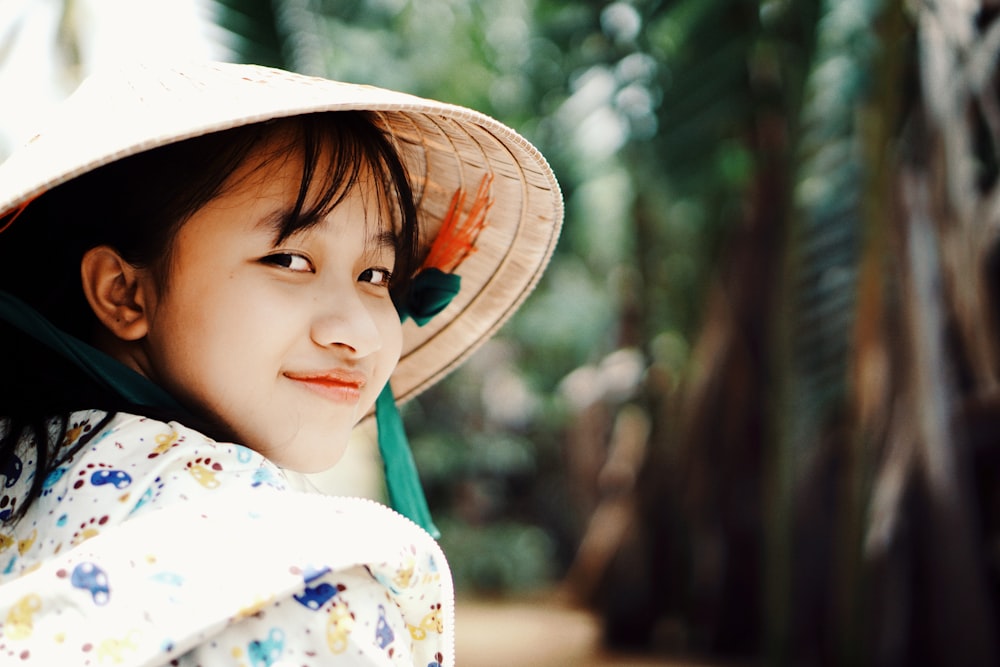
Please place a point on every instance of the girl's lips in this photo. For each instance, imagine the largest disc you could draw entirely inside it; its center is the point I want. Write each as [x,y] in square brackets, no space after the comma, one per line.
[340,386]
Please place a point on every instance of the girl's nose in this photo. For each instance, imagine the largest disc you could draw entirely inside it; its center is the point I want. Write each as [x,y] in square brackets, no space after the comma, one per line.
[345,320]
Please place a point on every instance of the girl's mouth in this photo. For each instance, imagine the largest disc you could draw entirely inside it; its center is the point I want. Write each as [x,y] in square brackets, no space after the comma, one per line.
[339,386]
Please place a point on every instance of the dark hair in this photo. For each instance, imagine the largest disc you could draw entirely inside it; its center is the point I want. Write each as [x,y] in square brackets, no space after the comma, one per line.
[136,205]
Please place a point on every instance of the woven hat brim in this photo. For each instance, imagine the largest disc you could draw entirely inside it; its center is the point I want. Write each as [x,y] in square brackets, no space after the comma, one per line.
[444,147]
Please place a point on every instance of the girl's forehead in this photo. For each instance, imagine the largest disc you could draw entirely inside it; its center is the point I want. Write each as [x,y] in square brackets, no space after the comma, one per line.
[274,180]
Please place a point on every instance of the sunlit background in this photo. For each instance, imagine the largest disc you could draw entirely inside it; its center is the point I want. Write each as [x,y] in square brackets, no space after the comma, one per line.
[751,413]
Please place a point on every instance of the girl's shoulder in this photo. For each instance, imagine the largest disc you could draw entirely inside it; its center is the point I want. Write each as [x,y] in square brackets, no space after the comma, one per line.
[111,468]
[154,533]
[147,444]
[138,454]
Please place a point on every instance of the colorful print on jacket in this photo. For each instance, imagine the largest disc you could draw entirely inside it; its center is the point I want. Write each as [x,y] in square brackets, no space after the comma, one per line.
[156,545]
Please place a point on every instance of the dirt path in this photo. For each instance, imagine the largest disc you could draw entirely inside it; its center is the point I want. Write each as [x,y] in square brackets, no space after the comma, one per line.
[537,634]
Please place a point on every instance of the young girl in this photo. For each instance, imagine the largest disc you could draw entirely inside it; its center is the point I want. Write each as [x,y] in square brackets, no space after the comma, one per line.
[208,276]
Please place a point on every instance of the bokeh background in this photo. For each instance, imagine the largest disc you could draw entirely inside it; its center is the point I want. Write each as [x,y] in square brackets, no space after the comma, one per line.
[751,414]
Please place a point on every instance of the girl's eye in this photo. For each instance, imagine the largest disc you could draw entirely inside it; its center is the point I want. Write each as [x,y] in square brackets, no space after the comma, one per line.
[290,261]
[377,277]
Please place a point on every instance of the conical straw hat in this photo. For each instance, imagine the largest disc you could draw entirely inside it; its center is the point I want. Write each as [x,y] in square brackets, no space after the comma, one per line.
[444,147]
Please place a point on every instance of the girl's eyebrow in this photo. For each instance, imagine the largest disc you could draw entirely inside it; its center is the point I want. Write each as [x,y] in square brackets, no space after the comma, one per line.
[385,240]
[273,221]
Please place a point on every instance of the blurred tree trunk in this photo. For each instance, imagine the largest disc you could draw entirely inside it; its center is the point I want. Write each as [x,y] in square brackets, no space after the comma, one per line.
[929,519]
[870,500]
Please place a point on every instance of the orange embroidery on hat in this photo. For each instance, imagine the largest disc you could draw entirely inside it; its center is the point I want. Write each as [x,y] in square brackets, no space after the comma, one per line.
[456,239]
[14,213]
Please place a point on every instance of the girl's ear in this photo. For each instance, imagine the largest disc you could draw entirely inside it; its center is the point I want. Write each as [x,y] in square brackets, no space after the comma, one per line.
[116,291]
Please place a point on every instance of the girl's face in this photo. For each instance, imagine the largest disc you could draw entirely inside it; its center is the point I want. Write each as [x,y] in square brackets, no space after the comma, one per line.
[288,345]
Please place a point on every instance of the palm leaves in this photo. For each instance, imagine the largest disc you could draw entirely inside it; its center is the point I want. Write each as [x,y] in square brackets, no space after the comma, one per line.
[255,31]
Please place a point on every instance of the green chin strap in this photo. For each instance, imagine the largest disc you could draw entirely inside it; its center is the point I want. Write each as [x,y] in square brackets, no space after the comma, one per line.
[100,367]
[431,292]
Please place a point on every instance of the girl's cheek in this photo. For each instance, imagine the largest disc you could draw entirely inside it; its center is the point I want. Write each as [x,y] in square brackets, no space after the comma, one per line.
[395,334]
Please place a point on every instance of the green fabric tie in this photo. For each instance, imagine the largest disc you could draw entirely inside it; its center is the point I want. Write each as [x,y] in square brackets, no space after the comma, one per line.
[100,367]
[431,292]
